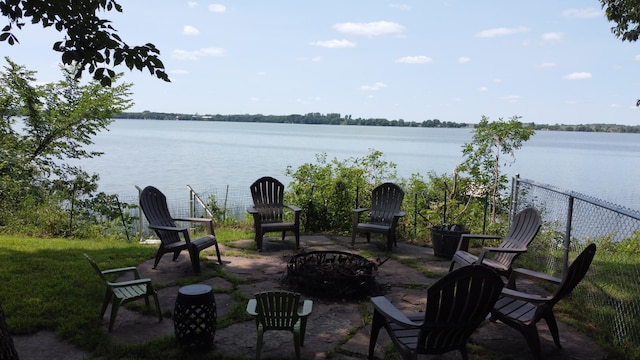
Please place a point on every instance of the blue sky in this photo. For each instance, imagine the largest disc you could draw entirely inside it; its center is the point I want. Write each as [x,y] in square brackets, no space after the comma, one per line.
[551,62]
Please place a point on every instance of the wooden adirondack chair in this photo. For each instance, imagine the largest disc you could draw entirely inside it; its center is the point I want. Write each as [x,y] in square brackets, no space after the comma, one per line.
[174,239]
[122,292]
[268,210]
[456,305]
[522,311]
[278,310]
[386,200]
[523,230]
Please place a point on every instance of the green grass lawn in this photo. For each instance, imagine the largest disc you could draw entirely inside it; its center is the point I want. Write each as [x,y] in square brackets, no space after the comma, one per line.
[47,284]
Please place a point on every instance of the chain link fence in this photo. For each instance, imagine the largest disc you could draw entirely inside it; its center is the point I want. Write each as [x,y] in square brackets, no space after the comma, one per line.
[609,295]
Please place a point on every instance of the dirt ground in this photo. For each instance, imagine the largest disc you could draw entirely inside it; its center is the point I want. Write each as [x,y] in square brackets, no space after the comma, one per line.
[336,329]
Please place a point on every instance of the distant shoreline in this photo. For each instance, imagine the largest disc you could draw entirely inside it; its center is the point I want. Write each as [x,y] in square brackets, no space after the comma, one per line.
[337,119]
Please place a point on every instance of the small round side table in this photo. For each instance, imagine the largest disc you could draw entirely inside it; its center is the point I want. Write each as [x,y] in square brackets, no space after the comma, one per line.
[194,317]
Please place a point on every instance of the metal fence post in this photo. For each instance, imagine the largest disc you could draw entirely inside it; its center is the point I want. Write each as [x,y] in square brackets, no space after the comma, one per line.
[567,235]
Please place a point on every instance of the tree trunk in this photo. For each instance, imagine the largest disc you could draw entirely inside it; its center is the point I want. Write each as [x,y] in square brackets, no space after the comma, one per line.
[7,349]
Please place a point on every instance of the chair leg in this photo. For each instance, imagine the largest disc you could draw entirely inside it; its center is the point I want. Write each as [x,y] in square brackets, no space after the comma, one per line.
[303,329]
[296,343]
[158,256]
[218,253]
[297,234]
[157,301]
[533,340]
[107,299]
[175,255]
[283,234]
[259,342]
[115,305]
[259,239]
[553,328]
[194,255]
[376,324]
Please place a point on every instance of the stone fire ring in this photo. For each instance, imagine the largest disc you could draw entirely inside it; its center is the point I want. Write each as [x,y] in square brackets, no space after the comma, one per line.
[331,274]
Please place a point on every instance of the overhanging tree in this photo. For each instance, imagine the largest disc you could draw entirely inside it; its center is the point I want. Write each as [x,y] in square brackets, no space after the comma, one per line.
[42,128]
[484,154]
[89,41]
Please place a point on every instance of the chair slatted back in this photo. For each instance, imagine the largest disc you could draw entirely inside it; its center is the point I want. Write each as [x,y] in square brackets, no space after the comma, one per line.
[268,199]
[386,200]
[523,230]
[96,268]
[574,274]
[277,310]
[456,305]
[154,205]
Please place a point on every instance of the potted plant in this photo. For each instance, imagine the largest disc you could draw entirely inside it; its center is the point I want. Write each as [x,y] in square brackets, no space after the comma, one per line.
[446,235]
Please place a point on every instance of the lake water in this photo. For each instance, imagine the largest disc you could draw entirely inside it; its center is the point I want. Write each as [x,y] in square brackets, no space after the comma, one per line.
[205,154]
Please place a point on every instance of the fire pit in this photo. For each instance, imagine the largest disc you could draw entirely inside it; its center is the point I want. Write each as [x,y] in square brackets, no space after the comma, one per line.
[332,274]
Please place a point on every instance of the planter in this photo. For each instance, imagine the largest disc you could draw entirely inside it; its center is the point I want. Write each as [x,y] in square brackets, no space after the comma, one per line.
[445,239]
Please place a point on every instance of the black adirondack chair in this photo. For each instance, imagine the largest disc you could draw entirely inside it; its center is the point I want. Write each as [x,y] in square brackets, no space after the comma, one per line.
[523,230]
[268,210]
[456,305]
[522,311]
[174,239]
[384,214]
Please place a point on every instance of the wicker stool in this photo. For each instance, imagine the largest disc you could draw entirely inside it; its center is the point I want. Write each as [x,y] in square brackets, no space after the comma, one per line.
[194,317]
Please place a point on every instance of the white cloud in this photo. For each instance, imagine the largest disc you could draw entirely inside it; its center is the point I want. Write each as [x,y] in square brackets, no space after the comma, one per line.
[512,98]
[192,4]
[190,31]
[552,36]
[197,54]
[371,28]
[546,65]
[501,32]
[463,60]
[375,87]
[585,13]
[483,89]
[637,57]
[402,7]
[420,59]
[577,76]
[217,8]
[179,72]
[334,44]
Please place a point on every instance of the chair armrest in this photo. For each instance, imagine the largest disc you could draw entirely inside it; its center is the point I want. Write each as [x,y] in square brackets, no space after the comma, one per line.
[515,294]
[293,208]
[391,313]
[399,214]
[360,210]
[202,220]
[119,270]
[167,228]
[119,284]
[251,307]
[306,308]
[482,237]
[208,221]
[531,274]
[252,210]
[486,250]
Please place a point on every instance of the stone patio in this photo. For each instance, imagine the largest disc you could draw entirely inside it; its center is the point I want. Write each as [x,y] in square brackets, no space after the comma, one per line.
[335,330]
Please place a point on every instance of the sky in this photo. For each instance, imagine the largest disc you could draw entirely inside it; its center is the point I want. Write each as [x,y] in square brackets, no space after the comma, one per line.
[547,61]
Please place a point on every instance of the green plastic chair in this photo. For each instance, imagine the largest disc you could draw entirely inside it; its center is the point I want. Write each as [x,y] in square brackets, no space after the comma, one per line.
[278,310]
[122,292]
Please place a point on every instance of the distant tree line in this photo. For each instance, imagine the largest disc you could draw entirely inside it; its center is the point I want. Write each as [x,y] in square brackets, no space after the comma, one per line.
[336,119]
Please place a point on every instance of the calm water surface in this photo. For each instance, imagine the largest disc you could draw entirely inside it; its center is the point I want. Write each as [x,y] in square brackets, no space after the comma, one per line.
[172,154]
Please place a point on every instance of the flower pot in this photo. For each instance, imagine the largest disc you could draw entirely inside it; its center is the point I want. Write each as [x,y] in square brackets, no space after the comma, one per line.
[445,239]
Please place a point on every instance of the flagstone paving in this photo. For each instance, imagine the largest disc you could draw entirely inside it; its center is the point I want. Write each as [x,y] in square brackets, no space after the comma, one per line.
[337,329]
